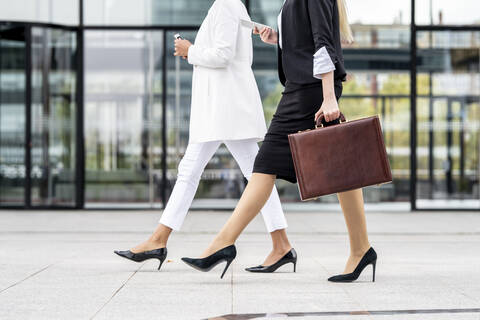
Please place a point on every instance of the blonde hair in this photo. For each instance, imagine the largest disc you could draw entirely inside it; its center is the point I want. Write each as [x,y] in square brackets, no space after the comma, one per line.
[345,30]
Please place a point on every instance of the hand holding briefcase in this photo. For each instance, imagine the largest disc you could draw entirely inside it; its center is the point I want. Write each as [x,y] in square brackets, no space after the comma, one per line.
[340,157]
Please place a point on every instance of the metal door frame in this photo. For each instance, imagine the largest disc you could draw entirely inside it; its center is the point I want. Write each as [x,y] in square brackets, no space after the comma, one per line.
[79,163]
[414,29]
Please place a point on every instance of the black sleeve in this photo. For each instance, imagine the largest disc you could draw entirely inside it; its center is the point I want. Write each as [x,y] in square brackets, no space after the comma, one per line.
[321,20]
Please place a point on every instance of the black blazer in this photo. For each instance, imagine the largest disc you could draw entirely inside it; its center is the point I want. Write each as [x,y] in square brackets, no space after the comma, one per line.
[307,26]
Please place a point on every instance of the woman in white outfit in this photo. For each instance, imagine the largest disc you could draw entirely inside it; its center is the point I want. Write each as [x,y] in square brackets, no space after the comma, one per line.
[226,108]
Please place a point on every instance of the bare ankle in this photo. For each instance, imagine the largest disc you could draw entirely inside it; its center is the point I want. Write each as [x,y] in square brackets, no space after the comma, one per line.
[158,242]
[160,235]
[281,248]
[359,252]
[220,242]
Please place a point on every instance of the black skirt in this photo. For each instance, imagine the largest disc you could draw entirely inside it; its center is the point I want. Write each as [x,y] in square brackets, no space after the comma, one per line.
[295,112]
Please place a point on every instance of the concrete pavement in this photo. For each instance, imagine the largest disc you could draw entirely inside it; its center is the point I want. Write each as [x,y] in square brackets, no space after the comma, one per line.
[60,265]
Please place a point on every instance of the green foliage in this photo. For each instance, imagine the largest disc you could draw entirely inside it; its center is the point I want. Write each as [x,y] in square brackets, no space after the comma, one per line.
[270,103]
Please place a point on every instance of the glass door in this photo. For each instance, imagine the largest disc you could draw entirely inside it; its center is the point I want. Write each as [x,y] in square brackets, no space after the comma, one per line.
[53,117]
[12,115]
[123,118]
[448,120]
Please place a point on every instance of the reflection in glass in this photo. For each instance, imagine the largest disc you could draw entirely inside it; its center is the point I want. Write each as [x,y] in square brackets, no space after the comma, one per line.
[380,36]
[448,120]
[379,12]
[387,13]
[53,155]
[447,12]
[123,117]
[388,28]
[12,115]
[386,94]
[146,12]
[266,11]
[47,11]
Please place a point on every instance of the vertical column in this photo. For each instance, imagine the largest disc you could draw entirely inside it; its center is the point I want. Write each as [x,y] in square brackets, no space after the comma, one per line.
[463,184]
[80,145]
[413,108]
[431,156]
[449,163]
[164,120]
[1,66]
[28,115]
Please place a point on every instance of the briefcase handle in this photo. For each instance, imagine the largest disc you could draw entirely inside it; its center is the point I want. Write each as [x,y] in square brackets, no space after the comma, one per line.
[322,123]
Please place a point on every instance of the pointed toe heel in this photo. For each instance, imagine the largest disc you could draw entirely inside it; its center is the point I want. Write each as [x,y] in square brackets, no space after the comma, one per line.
[160,254]
[206,264]
[289,257]
[369,258]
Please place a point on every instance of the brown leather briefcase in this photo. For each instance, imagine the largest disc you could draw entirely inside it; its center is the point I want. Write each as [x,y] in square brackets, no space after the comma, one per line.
[340,157]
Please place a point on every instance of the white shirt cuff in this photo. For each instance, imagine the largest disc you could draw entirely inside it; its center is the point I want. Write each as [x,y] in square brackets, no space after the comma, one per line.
[191,54]
[322,63]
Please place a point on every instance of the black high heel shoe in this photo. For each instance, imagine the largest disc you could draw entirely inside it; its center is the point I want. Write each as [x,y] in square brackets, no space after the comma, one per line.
[160,254]
[206,264]
[290,257]
[369,258]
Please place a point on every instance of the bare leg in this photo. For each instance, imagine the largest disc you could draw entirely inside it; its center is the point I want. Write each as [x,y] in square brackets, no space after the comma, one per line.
[157,240]
[244,152]
[354,214]
[252,201]
[280,247]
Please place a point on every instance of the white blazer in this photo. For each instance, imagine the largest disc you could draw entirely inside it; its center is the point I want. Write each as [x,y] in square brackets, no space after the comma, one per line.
[226,104]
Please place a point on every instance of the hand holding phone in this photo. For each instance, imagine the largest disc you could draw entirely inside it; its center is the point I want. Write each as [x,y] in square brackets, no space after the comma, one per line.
[181,46]
[267,35]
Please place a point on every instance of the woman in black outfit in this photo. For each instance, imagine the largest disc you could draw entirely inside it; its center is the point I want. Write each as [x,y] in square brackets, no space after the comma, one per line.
[311,68]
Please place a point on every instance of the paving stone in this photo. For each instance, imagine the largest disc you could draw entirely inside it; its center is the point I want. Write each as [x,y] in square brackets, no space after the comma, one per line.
[60,265]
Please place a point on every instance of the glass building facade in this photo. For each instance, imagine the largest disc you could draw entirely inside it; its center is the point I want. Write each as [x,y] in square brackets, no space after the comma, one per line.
[94,107]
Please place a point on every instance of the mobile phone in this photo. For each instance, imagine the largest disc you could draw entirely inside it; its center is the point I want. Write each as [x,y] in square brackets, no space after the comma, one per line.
[252,25]
[177,36]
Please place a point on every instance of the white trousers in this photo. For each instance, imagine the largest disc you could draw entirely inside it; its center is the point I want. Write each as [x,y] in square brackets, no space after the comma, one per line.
[190,171]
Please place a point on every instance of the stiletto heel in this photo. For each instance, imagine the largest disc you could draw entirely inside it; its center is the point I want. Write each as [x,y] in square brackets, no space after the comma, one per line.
[369,258]
[206,264]
[160,254]
[290,257]
[161,262]
[226,268]
[374,264]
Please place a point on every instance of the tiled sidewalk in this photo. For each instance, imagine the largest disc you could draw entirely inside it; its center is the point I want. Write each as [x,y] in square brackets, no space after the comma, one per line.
[60,265]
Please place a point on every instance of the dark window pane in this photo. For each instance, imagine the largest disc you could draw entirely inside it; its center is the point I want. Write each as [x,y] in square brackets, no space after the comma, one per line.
[53,151]
[448,120]
[12,116]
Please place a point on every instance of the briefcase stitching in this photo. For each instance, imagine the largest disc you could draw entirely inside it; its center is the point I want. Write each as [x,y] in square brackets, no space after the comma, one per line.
[297,170]
[300,173]
[382,150]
